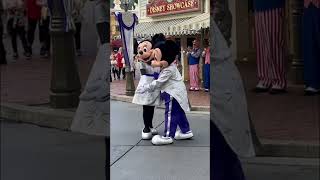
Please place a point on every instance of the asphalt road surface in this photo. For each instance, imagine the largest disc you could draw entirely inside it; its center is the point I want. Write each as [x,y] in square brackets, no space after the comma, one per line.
[30,152]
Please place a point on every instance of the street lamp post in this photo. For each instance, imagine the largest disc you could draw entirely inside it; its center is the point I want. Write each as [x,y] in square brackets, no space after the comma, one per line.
[65,81]
[296,10]
[130,87]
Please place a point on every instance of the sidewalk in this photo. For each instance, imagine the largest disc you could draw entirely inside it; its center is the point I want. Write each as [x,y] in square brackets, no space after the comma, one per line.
[27,82]
[289,117]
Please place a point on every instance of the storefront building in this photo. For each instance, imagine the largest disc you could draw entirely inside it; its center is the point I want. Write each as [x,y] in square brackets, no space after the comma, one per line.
[184,20]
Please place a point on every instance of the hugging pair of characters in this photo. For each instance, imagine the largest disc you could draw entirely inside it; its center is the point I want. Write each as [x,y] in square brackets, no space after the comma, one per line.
[161,81]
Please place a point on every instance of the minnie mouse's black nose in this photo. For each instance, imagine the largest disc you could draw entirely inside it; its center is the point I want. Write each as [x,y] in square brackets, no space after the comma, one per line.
[140,52]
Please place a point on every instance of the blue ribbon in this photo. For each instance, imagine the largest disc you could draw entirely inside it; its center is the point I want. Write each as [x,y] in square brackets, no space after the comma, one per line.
[122,28]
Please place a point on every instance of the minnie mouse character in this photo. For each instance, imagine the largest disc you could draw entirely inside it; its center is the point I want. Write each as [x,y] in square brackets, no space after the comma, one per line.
[150,99]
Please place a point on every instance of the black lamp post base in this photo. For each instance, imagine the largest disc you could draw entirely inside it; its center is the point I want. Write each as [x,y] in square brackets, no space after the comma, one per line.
[64,100]
[296,74]
[130,88]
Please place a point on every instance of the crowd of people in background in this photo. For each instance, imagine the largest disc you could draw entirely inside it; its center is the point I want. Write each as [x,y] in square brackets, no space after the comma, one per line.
[20,19]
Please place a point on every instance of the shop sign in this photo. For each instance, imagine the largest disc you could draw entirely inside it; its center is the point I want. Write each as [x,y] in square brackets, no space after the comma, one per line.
[165,7]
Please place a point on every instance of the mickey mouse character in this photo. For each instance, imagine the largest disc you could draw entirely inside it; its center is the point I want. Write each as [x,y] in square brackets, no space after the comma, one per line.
[173,93]
[149,99]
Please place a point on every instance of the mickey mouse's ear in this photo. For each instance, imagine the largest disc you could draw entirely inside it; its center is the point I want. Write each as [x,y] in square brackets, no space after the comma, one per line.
[173,46]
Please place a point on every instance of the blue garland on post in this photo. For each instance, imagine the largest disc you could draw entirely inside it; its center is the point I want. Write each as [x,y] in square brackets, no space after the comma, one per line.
[123,26]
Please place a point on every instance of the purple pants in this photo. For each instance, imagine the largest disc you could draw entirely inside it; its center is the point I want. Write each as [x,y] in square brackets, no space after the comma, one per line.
[174,116]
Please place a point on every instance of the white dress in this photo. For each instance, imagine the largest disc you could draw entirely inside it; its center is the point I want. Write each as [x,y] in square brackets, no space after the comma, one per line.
[93,113]
[228,99]
[148,98]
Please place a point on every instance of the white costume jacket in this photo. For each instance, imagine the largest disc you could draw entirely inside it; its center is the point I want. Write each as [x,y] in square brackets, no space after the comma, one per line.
[171,82]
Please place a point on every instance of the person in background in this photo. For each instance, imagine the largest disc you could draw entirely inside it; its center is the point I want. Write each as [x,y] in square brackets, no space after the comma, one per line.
[44,24]
[78,18]
[3,58]
[311,46]
[16,27]
[123,66]
[101,19]
[113,62]
[206,56]
[120,64]
[193,61]
[34,15]
[270,45]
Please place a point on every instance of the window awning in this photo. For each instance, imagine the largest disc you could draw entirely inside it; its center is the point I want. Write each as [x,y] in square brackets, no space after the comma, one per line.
[193,25]
[142,27]
[152,28]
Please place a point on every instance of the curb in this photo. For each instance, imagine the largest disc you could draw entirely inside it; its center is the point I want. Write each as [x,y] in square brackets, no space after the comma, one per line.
[41,116]
[128,99]
[61,119]
[290,149]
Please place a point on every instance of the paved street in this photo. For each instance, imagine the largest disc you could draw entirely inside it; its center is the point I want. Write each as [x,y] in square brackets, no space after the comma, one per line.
[30,152]
[136,159]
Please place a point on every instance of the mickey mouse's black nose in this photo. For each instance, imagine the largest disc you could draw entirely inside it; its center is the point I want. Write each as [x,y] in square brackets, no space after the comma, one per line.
[140,52]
